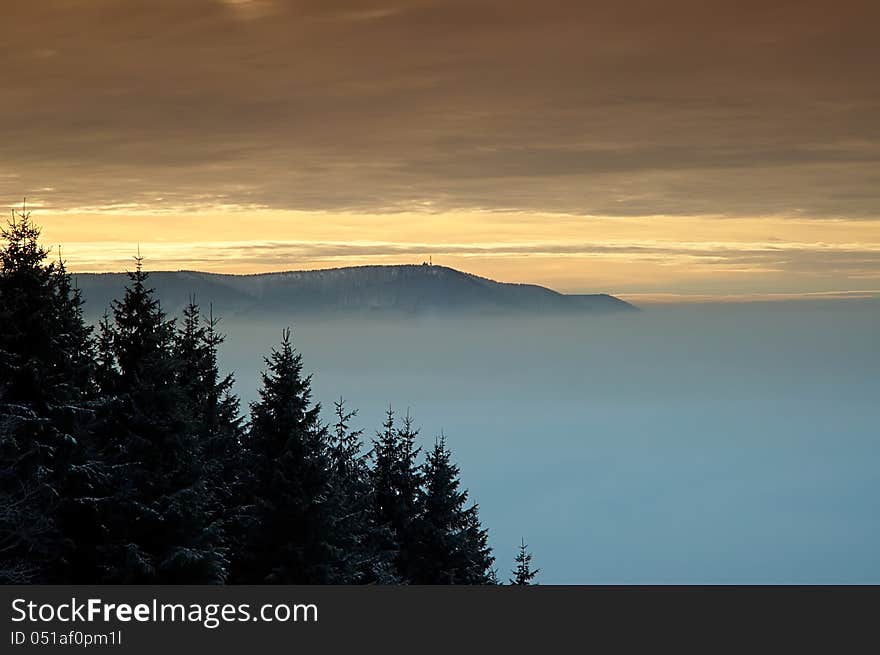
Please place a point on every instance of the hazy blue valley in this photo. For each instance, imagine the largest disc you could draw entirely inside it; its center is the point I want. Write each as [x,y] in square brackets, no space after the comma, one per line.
[680,444]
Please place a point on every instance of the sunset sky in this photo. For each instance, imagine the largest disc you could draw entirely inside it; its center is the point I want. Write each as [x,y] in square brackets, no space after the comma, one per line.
[654,150]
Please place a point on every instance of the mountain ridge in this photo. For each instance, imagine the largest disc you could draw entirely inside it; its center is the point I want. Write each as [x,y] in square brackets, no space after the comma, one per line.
[367,289]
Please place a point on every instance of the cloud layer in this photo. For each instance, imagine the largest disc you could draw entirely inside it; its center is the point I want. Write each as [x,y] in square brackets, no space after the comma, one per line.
[629,108]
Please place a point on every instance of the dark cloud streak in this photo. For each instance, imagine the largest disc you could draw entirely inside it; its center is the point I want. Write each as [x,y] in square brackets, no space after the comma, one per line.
[635,107]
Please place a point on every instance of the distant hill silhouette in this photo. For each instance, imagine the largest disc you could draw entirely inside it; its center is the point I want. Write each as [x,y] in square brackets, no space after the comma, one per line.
[406,289]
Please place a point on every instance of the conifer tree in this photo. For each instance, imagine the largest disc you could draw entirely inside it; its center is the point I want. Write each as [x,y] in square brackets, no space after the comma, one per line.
[209,394]
[44,379]
[217,421]
[346,459]
[74,337]
[360,556]
[84,470]
[192,356]
[223,414]
[396,478]
[43,340]
[350,495]
[452,545]
[158,518]
[524,574]
[290,536]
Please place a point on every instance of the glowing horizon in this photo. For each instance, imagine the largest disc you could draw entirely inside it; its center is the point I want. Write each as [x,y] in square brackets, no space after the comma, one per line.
[651,259]
[709,150]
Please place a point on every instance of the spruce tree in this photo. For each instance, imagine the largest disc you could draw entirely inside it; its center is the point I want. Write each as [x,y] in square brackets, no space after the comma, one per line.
[214,410]
[44,423]
[350,497]
[44,343]
[360,557]
[396,478]
[223,434]
[524,574]
[222,407]
[105,358]
[158,516]
[74,337]
[290,537]
[209,394]
[85,469]
[451,547]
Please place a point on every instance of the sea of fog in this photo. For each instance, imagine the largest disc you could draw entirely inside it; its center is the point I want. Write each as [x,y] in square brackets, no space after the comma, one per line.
[681,444]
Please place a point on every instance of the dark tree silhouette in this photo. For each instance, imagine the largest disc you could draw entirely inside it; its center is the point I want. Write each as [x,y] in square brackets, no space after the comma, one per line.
[396,478]
[290,532]
[451,546]
[105,358]
[524,574]
[45,360]
[217,421]
[158,514]
[44,345]
[360,556]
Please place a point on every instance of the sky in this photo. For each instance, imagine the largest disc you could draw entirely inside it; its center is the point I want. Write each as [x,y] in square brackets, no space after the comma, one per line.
[683,149]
